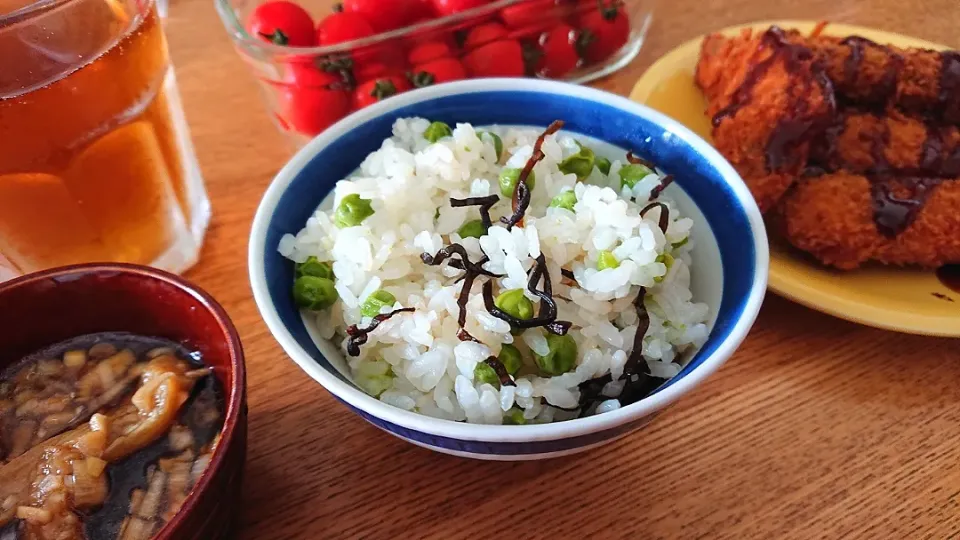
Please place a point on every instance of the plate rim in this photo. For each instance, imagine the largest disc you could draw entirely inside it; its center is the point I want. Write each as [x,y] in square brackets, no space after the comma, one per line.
[800,290]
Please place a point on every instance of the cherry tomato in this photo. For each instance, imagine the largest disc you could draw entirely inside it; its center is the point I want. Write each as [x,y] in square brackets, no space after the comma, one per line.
[605,30]
[383,15]
[449,7]
[559,47]
[340,27]
[536,12]
[427,51]
[308,106]
[364,71]
[483,34]
[282,23]
[437,71]
[378,89]
[307,75]
[497,59]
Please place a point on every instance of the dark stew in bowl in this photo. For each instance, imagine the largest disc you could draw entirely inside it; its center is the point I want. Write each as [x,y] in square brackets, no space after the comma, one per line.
[103,436]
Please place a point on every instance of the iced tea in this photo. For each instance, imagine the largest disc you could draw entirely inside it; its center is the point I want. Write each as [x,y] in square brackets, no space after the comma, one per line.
[95,159]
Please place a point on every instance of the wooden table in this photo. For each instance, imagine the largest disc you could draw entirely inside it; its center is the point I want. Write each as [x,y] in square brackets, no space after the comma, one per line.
[816,428]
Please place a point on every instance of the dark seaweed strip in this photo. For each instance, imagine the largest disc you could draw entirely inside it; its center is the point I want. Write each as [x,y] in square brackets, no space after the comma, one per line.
[634,362]
[634,159]
[521,192]
[359,336]
[450,251]
[664,214]
[547,315]
[656,191]
[501,371]
[567,274]
[485,204]
[468,279]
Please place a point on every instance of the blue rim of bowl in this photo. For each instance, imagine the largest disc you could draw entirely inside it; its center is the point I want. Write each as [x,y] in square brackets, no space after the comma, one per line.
[448,100]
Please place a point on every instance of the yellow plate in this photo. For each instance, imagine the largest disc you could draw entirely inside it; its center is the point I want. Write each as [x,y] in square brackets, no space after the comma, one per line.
[904,300]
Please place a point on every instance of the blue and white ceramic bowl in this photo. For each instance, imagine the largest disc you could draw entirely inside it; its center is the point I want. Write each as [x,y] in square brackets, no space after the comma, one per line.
[730,253]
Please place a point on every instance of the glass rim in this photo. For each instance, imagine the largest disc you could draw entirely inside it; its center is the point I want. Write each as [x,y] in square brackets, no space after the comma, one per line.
[39,7]
[259,47]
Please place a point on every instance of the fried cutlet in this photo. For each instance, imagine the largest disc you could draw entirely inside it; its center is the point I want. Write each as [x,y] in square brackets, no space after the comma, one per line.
[845,220]
[867,74]
[767,99]
[894,144]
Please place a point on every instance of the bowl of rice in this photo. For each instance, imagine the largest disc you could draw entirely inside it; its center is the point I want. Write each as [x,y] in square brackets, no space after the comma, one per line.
[508,269]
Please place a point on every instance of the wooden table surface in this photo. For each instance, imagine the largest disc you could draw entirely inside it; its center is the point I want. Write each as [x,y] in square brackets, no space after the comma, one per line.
[816,428]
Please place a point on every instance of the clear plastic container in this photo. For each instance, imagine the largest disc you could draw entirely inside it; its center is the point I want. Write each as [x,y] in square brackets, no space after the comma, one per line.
[303,103]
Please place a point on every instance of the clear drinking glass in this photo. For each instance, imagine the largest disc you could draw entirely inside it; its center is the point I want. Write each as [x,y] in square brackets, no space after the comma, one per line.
[96,163]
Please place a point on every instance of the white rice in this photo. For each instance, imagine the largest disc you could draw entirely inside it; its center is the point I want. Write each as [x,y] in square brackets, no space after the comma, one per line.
[414,360]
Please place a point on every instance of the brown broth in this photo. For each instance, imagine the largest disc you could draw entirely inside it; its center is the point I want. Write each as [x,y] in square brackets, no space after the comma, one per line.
[169,465]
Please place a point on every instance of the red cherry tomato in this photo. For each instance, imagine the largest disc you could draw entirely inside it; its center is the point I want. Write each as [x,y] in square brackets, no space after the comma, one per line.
[559,47]
[483,34]
[378,89]
[282,23]
[437,71]
[449,7]
[604,32]
[383,15]
[536,12]
[364,71]
[342,27]
[310,110]
[307,75]
[427,51]
[497,59]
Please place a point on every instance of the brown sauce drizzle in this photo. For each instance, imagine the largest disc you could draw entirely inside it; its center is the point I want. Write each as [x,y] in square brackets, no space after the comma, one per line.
[500,370]
[883,92]
[892,214]
[949,275]
[948,99]
[359,336]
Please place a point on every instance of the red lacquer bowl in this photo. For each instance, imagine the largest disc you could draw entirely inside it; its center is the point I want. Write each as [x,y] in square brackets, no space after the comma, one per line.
[41,309]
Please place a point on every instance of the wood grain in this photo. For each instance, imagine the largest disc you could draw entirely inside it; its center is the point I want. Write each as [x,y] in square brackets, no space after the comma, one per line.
[816,428]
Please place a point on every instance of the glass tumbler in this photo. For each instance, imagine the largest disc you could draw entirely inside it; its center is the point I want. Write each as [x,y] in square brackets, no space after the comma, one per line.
[96,162]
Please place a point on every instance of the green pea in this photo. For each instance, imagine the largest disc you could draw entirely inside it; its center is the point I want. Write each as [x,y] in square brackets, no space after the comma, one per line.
[681,243]
[633,173]
[561,358]
[471,229]
[378,299]
[352,211]
[668,260]
[514,303]
[606,260]
[483,373]
[514,417]
[314,293]
[497,142]
[565,199]
[603,164]
[437,131]
[508,181]
[580,164]
[511,358]
[374,377]
[313,267]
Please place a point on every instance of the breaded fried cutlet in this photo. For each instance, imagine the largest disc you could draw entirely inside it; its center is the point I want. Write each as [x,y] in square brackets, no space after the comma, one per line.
[767,99]
[846,220]
[894,144]
[867,74]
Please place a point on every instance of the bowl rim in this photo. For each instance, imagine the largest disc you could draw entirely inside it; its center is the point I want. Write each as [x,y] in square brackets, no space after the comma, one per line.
[504,433]
[236,404]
